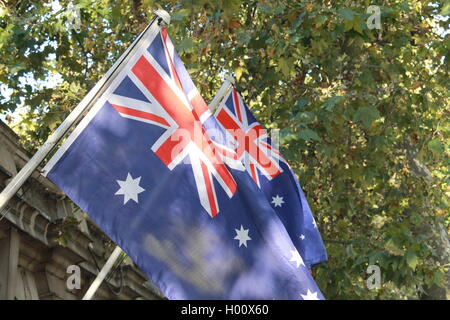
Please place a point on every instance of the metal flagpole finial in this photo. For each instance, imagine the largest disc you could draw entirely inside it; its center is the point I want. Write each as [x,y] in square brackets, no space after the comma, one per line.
[164,17]
[231,80]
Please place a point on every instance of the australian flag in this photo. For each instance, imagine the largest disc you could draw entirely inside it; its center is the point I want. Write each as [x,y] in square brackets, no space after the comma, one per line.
[143,166]
[272,174]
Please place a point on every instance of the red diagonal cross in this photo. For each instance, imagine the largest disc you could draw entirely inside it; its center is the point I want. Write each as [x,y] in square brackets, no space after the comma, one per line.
[248,142]
[188,130]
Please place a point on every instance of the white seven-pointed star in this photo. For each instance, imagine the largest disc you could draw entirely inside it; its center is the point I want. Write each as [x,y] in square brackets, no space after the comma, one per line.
[242,236]
[277,201]
[302,236]
[310,295]
[314,224]
[297,258]
[129,189]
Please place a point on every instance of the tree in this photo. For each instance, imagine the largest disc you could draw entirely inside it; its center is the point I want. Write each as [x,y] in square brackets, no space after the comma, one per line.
[363,112]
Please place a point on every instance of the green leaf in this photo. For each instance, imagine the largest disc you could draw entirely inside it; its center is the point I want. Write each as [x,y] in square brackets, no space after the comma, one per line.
[393,248]
[366,115]
[244,37]
[438,277]
[3,12]
[284,66]
[279,9]
[319,46]
[348,25]
[286,135]
[412,259]
[445,9]
[305,117]
[186,45]
[238,72]
[299,20]
[301,103]
[357,23]
[308,134]
[347,14]
[180,14]
[331,102]
[321,20]
[436,146]
[350,251]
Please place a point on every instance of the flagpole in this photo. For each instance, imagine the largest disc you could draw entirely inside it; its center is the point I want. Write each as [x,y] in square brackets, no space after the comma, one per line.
[20,178]
[102,274]
[226,85]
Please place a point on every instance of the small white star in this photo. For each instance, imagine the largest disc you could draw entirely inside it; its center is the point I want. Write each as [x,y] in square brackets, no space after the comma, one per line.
[242,236]
[277,201]
[314,224]
[309,295]
[129,189]
[297,258]
[302,236]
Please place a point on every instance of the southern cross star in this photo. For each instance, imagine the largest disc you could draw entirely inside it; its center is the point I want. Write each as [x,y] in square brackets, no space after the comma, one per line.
[277,201]
[309,295]
[297,258]
[129,189]
[242,236]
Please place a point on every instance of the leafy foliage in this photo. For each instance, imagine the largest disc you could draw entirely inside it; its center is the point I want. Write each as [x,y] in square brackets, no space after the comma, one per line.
[364,113]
